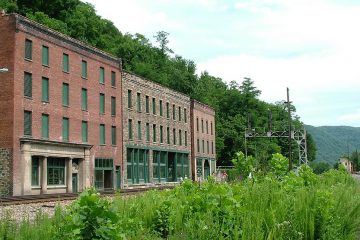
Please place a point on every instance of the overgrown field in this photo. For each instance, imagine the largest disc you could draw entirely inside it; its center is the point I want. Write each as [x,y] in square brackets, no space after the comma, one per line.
[306,206]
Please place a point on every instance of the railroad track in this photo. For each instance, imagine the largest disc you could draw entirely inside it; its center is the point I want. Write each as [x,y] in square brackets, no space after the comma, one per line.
[29,199]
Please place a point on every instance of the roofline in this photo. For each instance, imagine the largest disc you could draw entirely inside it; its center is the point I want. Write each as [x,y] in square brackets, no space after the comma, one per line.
[203,104]
[65,38]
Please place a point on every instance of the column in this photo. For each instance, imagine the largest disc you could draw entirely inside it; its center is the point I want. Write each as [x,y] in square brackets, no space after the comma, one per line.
[69,176]
[27,169]
[86,169]
[44,175]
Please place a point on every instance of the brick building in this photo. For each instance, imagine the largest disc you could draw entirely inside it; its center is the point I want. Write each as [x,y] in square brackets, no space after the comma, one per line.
[203,157]
[60,105]
[156,132]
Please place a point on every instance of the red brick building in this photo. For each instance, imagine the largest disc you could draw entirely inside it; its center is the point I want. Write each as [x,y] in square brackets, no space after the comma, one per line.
[60,105]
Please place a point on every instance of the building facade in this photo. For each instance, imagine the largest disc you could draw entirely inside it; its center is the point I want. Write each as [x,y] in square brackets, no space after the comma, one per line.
[156,132]
[203,151]
[60,105]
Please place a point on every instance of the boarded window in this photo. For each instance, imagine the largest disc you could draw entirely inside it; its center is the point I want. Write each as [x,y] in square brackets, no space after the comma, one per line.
[65,62]
[28,49]
[27,123]
[45,56]
[27,84]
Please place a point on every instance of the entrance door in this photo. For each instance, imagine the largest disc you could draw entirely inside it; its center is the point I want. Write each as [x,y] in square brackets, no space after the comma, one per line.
[108,179]
[75,183]
[118,179]
[206,169]
[171,167]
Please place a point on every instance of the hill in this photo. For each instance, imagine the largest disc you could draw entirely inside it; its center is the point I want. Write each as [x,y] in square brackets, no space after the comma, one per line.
[334,141]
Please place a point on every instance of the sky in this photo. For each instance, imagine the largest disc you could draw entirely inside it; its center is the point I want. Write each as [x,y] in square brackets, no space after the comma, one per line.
[310,46]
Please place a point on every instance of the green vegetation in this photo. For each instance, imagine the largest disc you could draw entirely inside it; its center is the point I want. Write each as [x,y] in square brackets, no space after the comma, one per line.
[234,103]
[284,206]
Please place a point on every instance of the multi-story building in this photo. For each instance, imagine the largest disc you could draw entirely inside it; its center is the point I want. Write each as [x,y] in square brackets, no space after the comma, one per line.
[60,105]
[203,153]
[156,132]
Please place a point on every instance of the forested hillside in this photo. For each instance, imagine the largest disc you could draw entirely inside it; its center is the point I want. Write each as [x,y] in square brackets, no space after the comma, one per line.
[334,141]
[234,103]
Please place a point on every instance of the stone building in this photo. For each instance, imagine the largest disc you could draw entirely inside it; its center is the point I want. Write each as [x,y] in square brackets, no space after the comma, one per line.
[60,105]
[203,151]
[156,132]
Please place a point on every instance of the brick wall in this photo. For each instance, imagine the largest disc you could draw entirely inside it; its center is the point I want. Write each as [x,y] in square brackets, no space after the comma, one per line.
[5,172]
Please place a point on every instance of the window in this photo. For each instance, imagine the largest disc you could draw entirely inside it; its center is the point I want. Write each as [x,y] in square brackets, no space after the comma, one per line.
[167,110]
[45,56]
[203,146]
[138,102]
[180,138]
[129,99]
[102,103]
[101,75]
[197,124]
[113,135]
[198,145]
[84,99]
[65,94]
[102,134]
[113,106]
[179,113]
[27,123]
[45,90]
[84,69]
[113,79]
[168,135]
[35,167]
[211,128]
[130,129]
[160,107]
[28,49]
[154,105]
[65,62]
[154,132]
[161,134]
[207,127]
[202,125]
[148,132]
[104,168]
[174,112]
[27,84]
[56,171]
[185,115]
[65,129]
[207,147]
[139,130]
[212,147]
[84,131]
[147,104]
[174,136]
[185,138]
[45,126]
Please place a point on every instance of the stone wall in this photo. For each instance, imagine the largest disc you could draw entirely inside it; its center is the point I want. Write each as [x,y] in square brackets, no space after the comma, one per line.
[5,172]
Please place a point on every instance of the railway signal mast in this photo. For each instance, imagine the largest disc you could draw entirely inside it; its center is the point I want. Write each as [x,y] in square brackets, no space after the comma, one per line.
[299,135]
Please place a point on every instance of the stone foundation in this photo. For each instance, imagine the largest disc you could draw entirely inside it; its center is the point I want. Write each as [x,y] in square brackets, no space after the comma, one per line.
[5,172]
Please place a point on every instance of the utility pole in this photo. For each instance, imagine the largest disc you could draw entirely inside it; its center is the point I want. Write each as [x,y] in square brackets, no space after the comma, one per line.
[289,115]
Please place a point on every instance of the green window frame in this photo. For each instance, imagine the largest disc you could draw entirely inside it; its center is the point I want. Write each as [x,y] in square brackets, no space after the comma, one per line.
[154,105]
[65,62]
[148,132]
[185,137]
[56,171]
[113,106]
[113,79]
[66,128]
[160,107]
[174,113]
[45,89]
[84,69]
[102,165]
[130,129]
[137,165]
[139,130]
[45,126]
[185,115]
[179,114]
[84,99]
[45,56]
[28,49]
[65,94]
[84,131]
[102,103]
[174,136]
[27,84]
[102,134]
[28,123]
[138,102]
[180,138]
[147,107]
[35,170]
[101,75]
[167,110]
[129,98]
[154,132]
[168,135]
[161,134]
[113,135]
